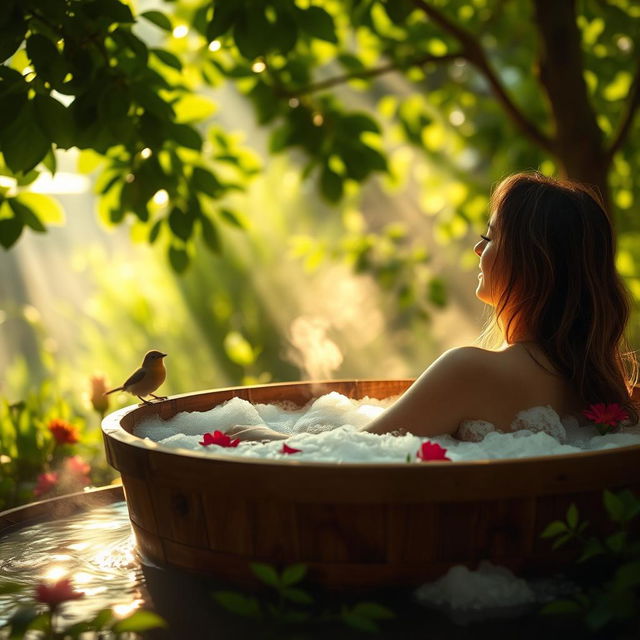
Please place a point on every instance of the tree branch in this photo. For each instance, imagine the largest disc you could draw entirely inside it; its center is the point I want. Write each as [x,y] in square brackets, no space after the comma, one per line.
[475,54]
[369,73]
[632,106]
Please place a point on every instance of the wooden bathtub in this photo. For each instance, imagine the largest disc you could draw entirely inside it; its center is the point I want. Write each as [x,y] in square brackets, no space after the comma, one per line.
[354,525]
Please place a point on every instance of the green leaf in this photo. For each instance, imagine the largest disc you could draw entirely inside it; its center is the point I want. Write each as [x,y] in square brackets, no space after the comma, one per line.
[11,105]
[572,516]
[628,575]
[46,208]
[360,623]
[114,106]
[103,618]
[24,144]
[167,58]
[210,235]
[206,182]
[27,215]
[50,162]
[186,136]
[112,10]
[617,541]
[266,573]
[599,616]
[561,607]
[359,122]
[614,506]
[293,574]
[181,223]
[317,23]
[224,15]
[46,59]
[593,547]
[179,259]
[152,102]
[558,542]
[155,231]
[372,610]
[331,185]
[10,231]
[12,35]
[252,32]
[55,120]
[398,10]
[159,19]
[140,620]
[238,603]
[233,218]
[297,595]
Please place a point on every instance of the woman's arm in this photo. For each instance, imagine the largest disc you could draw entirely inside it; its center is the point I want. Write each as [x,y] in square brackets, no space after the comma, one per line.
[442,397]
[255,432]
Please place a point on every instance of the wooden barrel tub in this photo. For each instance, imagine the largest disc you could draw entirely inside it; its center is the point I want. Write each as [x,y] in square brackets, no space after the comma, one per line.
[353,525]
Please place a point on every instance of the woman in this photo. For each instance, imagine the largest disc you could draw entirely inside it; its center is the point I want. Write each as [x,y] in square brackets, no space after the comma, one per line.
[547,269]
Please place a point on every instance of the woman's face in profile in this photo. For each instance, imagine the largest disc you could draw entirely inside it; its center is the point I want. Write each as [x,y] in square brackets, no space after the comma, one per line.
[487,289]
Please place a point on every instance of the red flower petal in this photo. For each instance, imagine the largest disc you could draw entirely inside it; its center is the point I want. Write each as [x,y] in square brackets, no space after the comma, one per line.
[63,432]
[289,450]
[430,451]
[606,414]
[220,439]
[56,593]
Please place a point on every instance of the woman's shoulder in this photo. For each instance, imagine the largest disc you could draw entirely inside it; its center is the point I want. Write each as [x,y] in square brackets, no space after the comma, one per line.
[473,360]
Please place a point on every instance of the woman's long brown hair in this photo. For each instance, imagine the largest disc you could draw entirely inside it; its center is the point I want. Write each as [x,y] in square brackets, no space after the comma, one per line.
[556,251]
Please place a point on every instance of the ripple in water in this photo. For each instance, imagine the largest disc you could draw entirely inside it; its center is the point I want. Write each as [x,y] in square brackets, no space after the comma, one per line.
[95,549]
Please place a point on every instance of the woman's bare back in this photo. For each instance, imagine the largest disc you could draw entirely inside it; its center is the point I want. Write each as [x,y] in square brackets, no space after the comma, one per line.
[522,378]
[476,384]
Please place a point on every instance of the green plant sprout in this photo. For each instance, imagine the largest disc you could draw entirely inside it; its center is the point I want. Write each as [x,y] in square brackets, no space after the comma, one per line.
[609,597]
[289,605]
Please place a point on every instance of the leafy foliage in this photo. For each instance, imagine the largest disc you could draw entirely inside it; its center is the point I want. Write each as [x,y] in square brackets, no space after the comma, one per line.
[32,463]
[288,605]
[30,619]
[134,88]
[610,588]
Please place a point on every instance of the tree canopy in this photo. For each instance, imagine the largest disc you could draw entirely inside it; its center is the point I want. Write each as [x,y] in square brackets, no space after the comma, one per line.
[522,84]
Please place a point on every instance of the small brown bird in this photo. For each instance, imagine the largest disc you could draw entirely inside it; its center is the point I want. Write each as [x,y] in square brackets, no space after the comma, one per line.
[145,380]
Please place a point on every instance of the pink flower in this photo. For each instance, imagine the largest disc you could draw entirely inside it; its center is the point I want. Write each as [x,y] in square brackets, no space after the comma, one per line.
[56,593]
[62,431]
[76,471]
[46,482]
[606,416]
[289,450]
[430,451]
[220,439]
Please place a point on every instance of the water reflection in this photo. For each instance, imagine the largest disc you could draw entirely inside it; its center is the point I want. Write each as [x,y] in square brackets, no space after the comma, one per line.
[95,549]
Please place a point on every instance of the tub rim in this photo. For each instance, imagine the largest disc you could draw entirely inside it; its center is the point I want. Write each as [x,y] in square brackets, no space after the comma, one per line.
[112,428]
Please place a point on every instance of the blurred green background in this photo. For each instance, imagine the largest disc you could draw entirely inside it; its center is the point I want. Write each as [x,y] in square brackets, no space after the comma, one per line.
[283,190]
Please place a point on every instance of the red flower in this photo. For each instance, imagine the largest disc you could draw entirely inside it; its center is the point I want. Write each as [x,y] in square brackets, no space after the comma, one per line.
[220,439]
[63,432]
[46,482]
[606,416]
[289,450]
[430,451]
[55,593]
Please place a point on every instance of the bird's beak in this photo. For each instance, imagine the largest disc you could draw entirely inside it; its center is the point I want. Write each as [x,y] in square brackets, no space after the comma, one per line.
[163,355]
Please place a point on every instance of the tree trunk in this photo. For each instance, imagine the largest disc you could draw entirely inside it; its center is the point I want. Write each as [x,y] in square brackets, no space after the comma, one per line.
[578,142]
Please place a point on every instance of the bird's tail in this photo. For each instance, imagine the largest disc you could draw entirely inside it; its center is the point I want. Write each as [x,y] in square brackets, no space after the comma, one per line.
[106,393]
